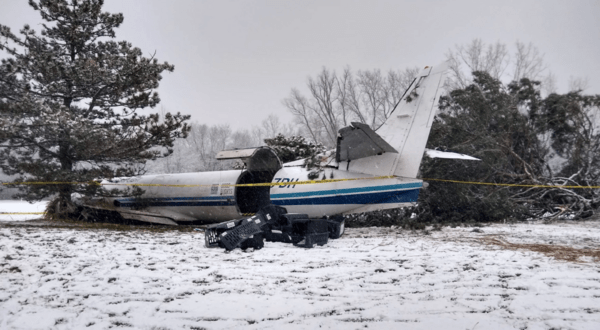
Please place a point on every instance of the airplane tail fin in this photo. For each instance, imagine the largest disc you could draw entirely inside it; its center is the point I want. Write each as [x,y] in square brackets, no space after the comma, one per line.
[407,129]
[398,145]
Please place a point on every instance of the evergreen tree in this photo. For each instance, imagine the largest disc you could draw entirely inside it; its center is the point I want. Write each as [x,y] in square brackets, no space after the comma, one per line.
[515,132]
[488,120]
[69,102]
[295,147]
[573,120]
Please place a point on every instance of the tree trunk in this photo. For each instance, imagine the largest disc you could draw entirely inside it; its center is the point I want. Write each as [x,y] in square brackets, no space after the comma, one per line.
[63,204]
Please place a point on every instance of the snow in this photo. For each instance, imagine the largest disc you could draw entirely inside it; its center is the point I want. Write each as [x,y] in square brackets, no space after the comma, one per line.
[28,211]
[380,278]
[448,155]
[299,162]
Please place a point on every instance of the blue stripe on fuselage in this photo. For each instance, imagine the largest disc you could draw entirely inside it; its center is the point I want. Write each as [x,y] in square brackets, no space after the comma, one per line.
[179,201]
[401,196]
[160,203]
[338,192]
[179,198]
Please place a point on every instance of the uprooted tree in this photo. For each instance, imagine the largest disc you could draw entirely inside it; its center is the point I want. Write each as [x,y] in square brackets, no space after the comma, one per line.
[538,156]
[522,139]
[69,103]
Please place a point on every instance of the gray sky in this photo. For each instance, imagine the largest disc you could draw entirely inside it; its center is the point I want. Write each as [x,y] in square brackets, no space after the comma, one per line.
[236,60]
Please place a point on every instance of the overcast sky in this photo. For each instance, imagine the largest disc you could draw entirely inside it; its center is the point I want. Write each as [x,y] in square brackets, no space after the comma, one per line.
[236,60]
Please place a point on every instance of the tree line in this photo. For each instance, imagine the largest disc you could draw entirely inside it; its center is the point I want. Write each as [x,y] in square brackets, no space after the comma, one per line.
[197,152]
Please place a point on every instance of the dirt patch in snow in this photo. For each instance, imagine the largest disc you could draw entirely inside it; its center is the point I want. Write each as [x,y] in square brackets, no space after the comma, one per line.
[559,252]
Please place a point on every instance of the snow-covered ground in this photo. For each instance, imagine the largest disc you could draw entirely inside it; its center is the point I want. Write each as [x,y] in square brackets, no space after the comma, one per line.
[382,278]
[11,210]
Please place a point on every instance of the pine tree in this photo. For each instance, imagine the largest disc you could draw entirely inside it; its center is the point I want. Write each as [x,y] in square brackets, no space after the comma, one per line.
[69,102]
[515,132]
[293,148]
[483,120]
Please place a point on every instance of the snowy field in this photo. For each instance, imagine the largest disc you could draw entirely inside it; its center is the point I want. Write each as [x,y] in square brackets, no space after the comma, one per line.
[525,276]
[24,210]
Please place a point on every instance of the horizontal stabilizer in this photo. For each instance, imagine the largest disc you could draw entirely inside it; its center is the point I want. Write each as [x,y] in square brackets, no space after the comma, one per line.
[236,153]
[255,159]
[360,141]
[448,155]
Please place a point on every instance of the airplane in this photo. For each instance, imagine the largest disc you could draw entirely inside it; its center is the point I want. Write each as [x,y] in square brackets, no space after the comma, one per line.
[371,171]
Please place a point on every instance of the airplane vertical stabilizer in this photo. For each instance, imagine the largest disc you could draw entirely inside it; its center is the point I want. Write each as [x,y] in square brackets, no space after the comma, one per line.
[398,145]
[407,129]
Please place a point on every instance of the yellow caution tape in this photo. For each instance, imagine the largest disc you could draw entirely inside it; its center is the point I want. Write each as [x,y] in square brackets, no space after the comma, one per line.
[513,184]
[290,183]
[91,183]
[266,184]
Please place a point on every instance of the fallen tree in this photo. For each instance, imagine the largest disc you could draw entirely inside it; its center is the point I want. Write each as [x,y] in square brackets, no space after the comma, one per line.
[537,154]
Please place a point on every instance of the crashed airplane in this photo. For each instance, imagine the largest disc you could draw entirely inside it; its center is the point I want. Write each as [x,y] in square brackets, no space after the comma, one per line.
[371,171]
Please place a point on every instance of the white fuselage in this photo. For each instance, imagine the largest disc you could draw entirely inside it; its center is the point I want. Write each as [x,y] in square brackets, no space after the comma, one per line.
[323,199]
[213,196]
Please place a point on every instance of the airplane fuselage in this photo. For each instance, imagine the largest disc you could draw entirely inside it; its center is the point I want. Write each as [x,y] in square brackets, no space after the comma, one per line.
[215,196]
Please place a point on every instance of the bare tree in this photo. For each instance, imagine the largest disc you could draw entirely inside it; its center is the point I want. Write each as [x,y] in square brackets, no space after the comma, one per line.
[243,139]
[199,141]
[291,129]
[347,97]
[368,97]
[197,153]
[494,59]
[549,84]
[323,92]
[578,84]
[258,135]
[476,56]
[271,126]
[373,95]
[380,94]
[398,82]
[217,139]
[298,106]
[528,62]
